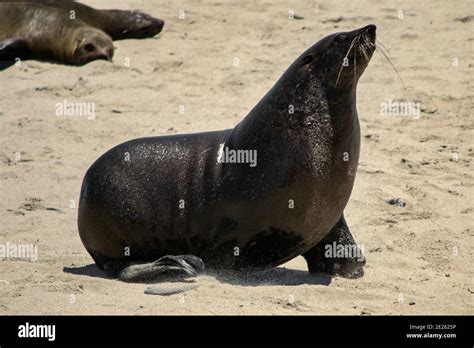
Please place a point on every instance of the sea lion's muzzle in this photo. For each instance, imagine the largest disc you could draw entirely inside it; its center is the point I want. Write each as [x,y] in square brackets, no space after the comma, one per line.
[139,25]
[106,54]
[154,27]
[354,50]
[366,42]
[369,32]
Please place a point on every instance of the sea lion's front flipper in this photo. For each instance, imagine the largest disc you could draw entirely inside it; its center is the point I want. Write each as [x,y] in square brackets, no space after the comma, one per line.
[12,49]
[165,268]
[337,253]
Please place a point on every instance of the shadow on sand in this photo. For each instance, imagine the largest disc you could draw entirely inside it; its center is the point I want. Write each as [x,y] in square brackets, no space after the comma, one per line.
[274,277]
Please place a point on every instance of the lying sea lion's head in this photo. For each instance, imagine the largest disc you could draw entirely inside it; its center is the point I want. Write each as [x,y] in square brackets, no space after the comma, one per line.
[91,44]
[338,60]
[137,25]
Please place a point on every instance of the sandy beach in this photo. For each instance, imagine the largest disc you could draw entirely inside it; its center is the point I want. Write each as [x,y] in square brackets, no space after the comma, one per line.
[410,207]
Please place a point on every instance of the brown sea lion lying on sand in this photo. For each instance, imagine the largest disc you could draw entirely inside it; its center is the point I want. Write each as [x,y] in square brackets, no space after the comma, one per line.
[66,31]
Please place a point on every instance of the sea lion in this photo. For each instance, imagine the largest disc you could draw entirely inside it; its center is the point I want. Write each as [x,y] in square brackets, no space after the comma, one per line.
[181,199]
[118,24]
[34,31]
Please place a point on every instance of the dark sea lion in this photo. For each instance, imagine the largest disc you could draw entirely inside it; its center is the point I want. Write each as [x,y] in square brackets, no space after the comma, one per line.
[34,31]
[179,199]
[118,24]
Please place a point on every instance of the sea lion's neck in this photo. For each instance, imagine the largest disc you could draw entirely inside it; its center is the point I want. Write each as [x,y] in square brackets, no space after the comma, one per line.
[292,109]
[67,49]
[343,110]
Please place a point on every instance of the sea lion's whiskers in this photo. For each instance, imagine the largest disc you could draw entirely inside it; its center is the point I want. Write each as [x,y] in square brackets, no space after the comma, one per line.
[364,46]
[360,46]
[364,53]
[342,65]
[381,58]
[363,50]
[368,43]
[381,43]
[386,56]
[383,53]
[382,49]
[355,60]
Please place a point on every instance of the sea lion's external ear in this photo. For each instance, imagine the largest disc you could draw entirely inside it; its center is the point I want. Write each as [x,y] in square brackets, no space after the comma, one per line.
[12,49]
[340,38]
[307,59]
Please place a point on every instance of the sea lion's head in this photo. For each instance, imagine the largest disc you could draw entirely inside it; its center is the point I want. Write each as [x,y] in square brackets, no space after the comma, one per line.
[339,59]
[138,25]
[91,44]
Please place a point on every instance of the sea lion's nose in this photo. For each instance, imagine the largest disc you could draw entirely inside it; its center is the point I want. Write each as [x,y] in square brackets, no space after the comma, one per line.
[154,27]
[159,25]
[369,30]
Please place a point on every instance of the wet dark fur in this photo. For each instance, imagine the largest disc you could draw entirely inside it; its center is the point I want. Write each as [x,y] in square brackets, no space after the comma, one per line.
[236,216]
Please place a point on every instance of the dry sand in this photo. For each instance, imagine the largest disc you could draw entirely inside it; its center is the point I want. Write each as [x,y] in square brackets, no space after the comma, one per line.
[419,257]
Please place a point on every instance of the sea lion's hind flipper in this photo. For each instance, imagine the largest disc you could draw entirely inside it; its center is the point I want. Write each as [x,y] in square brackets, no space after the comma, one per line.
[12,49]
[337,253]
[164,269]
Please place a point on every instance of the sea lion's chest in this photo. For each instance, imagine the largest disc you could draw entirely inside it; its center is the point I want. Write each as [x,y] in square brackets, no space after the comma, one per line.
[279,210]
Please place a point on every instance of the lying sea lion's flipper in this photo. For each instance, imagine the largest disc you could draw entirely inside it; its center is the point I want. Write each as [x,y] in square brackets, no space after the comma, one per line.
[337,253]
[12,49]
[165,268]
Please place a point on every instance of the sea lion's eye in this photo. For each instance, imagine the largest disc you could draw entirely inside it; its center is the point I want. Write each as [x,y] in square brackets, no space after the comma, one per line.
[340,38]
[89,47]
